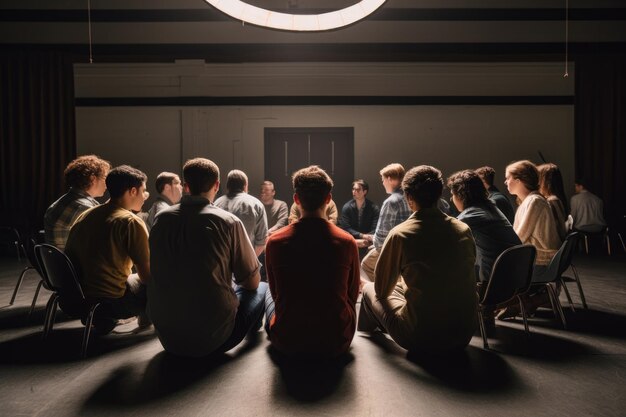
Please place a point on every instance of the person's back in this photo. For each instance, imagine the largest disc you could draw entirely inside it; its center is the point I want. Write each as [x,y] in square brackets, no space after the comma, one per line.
[250,211]
[503,203]
[313,262]
[313,273]
[587,211]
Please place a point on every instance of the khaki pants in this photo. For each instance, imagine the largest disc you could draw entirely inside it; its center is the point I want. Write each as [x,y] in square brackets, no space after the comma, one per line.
[369,264]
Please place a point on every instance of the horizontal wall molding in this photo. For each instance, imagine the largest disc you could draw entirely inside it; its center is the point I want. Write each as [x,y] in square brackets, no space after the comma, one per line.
[324,101]
[385,14]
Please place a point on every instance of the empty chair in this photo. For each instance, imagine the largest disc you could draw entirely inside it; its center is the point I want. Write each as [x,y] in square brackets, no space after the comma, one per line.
[602,234]
[29,250]
[553,273]
[62,279]
[510,278]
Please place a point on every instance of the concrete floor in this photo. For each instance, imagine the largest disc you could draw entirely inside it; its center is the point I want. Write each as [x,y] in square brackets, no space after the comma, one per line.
[578,372]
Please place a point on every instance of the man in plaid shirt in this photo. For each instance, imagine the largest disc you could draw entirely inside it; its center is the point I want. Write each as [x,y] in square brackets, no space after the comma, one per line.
[394,211]
[86,178]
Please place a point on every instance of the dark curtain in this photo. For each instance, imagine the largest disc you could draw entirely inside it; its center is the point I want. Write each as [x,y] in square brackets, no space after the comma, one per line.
[37,134]
[601,130]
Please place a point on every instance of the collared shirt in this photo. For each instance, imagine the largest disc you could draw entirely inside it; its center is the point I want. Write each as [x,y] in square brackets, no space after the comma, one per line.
[62,214]
[161,203]
[394,211]
[277,215]
[359,221]
[587,212]
[250,211]
[196,251]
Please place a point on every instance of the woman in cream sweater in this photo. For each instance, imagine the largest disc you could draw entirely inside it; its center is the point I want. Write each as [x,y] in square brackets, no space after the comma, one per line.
[534,222]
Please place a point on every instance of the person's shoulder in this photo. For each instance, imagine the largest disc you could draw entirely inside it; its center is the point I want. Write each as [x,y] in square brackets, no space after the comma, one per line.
[348,204]
[221,200]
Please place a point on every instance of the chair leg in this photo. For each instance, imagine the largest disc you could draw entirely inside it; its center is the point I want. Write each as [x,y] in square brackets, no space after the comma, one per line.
[569,298]
[556,305]
[524,315]
[32,306]
[586,245]
[483,332]
[608,242]
[50,313]
[580,287]
[19,283]
[87,331]
[17,248]
[621,241]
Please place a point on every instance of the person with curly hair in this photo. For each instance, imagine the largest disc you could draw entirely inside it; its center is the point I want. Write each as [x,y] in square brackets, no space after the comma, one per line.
[85,176]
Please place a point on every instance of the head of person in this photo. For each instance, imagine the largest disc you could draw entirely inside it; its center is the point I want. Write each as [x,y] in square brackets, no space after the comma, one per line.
[521,178]
[267,192]
[487,175]
[551,181]
[169,185]
[467,190]
[88,173]
[311,187]
[392,176]
[422,186]
[580,185]
[236,182]
[202,177]
[360,189]
[127,187]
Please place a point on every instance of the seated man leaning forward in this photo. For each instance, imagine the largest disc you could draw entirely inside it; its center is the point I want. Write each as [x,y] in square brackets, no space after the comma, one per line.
[103,245]
[313,273]
[424,292]
[197,249]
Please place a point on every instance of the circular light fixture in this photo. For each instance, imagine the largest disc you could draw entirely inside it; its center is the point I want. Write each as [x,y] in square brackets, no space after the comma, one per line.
[296,22]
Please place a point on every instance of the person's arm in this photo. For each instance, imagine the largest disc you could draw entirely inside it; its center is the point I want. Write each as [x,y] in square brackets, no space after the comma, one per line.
[354,284]
[283,217]
[384,225]
[260,230]
[139,249]
[346,221]
[528,222]
[244,259]
[388,266]
[294,213]
[375,215]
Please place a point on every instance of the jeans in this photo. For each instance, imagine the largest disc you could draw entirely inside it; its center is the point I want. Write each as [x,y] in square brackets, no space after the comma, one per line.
[249,314]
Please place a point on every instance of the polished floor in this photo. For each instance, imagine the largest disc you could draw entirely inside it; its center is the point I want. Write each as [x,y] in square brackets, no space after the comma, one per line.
[576,372]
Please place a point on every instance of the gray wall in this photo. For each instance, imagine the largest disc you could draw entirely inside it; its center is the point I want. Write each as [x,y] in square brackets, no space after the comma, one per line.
[449,137]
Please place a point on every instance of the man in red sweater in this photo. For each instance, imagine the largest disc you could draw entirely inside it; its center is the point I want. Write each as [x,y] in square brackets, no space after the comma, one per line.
[313,273]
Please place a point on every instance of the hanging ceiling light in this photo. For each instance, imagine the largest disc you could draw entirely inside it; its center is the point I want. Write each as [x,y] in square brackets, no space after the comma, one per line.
[296,22]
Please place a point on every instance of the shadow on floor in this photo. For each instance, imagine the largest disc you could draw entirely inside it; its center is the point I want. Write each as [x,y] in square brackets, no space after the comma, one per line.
[307,379]
[587,321]
[64,345]
[17,317]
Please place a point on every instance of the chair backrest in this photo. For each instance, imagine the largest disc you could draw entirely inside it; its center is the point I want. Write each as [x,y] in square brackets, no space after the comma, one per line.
[29,250]
[559,262]
[511,274]
[59,272]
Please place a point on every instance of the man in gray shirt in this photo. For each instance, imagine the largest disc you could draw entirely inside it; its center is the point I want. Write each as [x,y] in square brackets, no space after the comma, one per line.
[276,211]
[247,208]
[587,210]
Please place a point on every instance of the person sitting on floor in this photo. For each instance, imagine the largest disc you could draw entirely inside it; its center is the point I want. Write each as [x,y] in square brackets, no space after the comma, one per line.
[85,176]
[105,242]
[359,216]
[330,213]
[246,207]
[492,231]
[487,175]
[424,290]
[313,273]
[276,211]
[394,211]
[197,250]
[170,191]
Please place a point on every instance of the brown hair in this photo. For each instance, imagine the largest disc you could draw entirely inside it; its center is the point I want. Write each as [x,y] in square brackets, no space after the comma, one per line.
[467,187]
[123,178]
[361,183]
[78,172]
[487,174]
[394,171]
[163,179]
[526,172]
[236,182]
[312,185]
[551,182]
[200,175]
[424,185]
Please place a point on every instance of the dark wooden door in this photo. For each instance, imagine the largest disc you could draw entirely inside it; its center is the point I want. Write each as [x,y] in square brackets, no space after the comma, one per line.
[289,149]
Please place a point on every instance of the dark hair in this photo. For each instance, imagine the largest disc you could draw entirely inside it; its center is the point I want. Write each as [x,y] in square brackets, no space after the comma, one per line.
[467,186]
[200,175]
[393,171]
[551,183]
[78,172]
[487,174]
[424,185]
[268,183]
[122,179]
[163,179]
[526,172]
[236,182]
[361,183]
[312,185]
[581,181]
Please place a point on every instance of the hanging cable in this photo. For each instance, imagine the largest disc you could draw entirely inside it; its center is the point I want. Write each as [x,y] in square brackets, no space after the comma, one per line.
[89,22]
[566,39]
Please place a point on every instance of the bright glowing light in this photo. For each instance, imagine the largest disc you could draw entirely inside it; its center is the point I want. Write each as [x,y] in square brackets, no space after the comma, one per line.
[248,13]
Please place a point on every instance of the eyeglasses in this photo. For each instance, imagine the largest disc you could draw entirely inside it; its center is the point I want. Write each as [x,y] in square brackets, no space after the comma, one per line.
[357,189]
